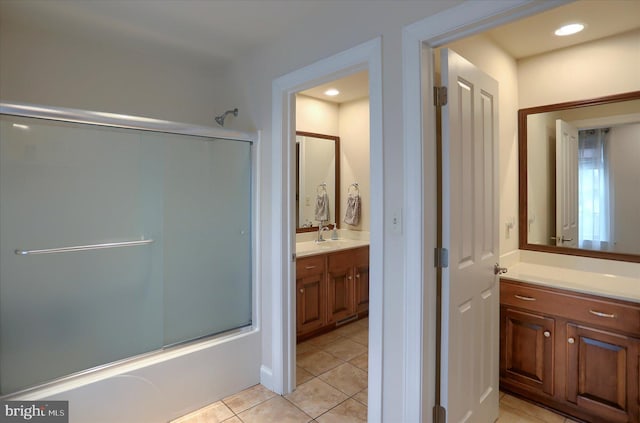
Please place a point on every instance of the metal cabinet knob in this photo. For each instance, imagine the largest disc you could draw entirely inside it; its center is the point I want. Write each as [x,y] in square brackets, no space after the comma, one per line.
[546,334]
[349,278]
[358,276]
[571,340]
[301,291]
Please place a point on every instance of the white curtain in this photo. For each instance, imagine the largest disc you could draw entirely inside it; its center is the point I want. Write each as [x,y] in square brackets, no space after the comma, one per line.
[593,185]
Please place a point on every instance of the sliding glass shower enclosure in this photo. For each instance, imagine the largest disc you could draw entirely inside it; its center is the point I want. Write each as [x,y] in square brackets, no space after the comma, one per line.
[119,236]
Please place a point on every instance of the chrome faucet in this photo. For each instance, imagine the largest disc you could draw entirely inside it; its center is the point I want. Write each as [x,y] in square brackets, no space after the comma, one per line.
[320,229]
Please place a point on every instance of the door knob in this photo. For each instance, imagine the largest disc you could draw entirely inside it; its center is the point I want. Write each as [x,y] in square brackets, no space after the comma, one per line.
[546,334]
[497,270]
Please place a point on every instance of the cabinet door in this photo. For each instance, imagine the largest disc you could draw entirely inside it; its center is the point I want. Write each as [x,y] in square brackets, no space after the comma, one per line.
[362,288]
[602,373]
[340,294]
[310,303]
[526,349]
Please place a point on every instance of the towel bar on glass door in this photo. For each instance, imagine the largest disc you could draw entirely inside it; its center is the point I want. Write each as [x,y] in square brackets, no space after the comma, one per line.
[85,247]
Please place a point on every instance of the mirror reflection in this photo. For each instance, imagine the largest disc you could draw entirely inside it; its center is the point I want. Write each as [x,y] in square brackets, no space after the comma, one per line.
[582,176]
[317,180]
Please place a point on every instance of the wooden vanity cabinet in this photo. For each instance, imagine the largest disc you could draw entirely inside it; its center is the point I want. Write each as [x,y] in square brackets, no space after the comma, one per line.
[573,352]
[331,288]
[527,350]
[311,297]
[348,283]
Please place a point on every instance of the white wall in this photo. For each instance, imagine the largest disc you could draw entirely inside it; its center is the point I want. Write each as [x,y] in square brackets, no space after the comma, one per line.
[255,74]
[54,69]
[49,68]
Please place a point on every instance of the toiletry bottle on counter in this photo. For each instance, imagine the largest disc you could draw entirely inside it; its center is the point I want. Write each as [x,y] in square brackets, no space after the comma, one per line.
[334,234]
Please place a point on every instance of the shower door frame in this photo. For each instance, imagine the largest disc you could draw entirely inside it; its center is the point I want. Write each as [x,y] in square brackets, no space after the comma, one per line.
[120,121]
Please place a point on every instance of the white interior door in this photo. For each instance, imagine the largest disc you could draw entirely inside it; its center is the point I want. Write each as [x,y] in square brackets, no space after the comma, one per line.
[470,303]
[566,184]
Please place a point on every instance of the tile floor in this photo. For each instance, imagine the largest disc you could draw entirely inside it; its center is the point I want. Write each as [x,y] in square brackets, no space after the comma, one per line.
[332,372]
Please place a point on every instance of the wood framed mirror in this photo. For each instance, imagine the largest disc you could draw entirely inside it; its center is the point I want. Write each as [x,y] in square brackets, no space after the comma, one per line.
[579,177]
[317,175]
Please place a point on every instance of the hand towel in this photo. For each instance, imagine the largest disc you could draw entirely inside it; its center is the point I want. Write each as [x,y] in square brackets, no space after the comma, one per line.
[352,216]
[322,207]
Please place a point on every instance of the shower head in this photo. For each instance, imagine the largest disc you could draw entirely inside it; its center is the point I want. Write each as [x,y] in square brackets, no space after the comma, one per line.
[220,119]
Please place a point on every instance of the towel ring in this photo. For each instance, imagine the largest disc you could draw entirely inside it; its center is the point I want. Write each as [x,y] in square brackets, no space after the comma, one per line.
[356,188]
[321,188]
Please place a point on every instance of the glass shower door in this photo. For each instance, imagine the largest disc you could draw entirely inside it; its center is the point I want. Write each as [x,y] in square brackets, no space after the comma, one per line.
[175,213]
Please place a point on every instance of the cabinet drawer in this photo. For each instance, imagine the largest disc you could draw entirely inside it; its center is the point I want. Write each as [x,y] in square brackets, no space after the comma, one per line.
[621,316]
[309,266]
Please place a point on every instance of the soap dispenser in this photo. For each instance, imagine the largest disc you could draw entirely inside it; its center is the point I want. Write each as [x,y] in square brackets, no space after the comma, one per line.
[334,234]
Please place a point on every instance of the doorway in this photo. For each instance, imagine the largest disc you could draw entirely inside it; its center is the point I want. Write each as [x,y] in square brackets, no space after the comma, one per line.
[332,192]
[364,57]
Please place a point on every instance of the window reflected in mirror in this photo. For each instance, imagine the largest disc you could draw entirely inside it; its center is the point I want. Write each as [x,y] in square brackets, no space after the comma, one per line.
[580,177]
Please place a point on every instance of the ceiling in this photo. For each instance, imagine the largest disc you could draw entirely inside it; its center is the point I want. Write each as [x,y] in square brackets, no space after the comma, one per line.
[528,37]
[217,32]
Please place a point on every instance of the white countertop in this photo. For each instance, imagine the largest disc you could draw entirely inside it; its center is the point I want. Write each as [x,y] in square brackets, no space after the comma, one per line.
[311,248]
[604,284]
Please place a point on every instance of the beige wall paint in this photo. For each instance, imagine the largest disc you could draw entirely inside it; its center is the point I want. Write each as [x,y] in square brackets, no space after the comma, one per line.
[349,121]
[313,115]
[595,69]
[354,167]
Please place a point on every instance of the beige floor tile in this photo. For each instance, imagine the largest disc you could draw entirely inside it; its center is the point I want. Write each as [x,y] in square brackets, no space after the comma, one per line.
[276,409]
[248,398]
[528,410]
[304,347]
[347,378]
[345,349]
[315,397]
[350,411]
[509,417]
[317,362]
[302,376]
[233,419]
[348,330]
[361,361]
[213,413]
[362,396]
[362,322]
[327,338]
[361,337]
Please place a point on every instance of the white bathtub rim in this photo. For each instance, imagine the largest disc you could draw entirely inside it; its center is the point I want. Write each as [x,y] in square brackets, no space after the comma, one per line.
[125,366]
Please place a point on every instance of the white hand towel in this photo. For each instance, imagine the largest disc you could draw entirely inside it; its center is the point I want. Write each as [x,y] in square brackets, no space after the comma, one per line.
[352,216]
[322,207]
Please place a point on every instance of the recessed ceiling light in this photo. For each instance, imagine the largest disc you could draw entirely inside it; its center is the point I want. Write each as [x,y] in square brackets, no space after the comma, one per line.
[569,29]
[332,92]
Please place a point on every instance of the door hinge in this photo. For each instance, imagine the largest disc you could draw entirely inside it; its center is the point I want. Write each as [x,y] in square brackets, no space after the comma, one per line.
[439,96]
[441,258]
[439,414]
